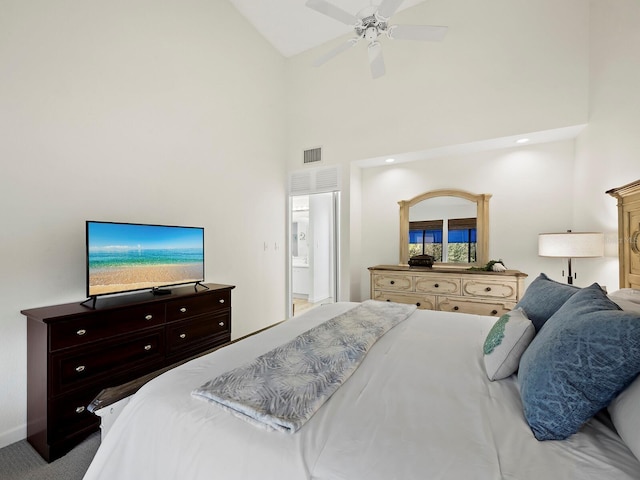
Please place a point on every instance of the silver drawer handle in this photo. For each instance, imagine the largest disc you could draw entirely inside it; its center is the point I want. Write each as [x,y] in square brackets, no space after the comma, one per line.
[147,347]
[79,409]
[183,309]
[148,317]
[221,324]
[80,368]
[183,335]
[81,332]
[221,300]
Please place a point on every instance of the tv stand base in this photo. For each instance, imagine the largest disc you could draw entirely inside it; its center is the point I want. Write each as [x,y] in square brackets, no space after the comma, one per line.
[160,291]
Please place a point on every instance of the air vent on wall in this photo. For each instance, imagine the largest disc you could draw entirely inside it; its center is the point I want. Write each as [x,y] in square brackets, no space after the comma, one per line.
[314,180]
[327,179]
[313,155]
[299,183]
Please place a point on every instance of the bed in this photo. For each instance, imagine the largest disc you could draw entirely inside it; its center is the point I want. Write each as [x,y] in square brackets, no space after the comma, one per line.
[426,401]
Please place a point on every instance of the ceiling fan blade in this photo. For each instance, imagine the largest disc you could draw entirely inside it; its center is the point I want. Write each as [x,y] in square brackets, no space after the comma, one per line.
[388,8]
[336,51]
[417,32]
[332,11]
[376,62]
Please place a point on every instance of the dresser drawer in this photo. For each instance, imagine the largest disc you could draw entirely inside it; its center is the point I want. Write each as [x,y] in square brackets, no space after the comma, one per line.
[130,352]
[400,283]
[102,325]
[462,305]
[197,331]
[70,414]
[206,302]
[490,289]
[423,302]
[438,285]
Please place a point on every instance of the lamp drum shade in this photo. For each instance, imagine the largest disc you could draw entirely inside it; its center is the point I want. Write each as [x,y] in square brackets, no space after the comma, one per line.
[571,244]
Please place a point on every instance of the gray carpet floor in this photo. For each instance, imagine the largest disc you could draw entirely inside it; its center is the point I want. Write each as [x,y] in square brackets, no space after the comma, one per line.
[19,461]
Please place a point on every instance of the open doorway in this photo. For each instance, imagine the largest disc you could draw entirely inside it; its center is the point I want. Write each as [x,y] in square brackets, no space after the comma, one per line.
[313,250]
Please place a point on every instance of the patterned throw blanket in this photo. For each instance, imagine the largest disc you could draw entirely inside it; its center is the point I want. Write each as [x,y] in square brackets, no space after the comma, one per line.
[283,388]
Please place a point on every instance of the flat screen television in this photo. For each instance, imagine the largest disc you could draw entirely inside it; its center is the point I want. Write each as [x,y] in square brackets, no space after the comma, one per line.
[125,257]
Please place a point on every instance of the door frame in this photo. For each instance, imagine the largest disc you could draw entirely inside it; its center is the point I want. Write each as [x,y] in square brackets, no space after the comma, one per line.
[335,239]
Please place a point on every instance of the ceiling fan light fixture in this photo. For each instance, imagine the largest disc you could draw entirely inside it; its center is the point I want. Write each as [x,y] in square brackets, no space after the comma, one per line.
[369,24]
[371,33]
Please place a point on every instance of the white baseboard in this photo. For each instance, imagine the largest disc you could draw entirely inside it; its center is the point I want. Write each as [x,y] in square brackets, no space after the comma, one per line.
[13,436]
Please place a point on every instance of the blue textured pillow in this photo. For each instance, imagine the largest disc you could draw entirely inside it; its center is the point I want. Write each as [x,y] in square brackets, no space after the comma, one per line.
[543,298]
[587,352]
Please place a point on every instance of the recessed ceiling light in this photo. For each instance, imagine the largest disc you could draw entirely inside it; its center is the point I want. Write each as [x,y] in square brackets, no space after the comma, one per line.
[522,140]
[390,160]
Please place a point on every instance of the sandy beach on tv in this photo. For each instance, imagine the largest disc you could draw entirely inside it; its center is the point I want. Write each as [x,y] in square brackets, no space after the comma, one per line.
[111,280]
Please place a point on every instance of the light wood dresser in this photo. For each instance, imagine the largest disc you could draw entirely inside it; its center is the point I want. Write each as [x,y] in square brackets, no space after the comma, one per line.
[448,289]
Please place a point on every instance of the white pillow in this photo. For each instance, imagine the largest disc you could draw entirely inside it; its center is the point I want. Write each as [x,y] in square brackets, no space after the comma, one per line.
[628,299]
[506,342]
[625,415]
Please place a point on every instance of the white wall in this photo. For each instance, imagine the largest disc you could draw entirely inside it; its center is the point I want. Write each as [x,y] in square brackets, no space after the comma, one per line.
[135,111]
[530,195]
[505,67]
[609,148]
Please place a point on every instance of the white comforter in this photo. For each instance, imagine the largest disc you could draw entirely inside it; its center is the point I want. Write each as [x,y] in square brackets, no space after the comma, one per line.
[419,407]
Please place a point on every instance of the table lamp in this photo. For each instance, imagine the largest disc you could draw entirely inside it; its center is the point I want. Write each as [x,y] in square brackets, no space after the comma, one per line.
[571,245]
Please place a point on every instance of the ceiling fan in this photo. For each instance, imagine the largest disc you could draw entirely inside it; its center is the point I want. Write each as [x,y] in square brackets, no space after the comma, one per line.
[369,24]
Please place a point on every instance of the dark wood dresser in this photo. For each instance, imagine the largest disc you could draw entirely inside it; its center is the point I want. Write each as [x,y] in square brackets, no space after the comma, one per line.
[74,352]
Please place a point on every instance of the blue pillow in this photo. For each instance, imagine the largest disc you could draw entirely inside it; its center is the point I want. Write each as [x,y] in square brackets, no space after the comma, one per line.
[543,298]
[587,352]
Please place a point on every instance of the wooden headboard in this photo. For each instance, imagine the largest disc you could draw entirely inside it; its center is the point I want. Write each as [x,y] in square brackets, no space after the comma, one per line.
[628,233]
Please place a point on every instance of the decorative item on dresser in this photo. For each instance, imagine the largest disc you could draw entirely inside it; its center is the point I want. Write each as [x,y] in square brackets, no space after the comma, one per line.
[448,289]
[74,352]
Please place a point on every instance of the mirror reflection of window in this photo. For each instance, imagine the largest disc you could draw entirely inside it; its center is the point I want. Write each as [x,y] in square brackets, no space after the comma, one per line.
[425,238]
[445,228]
[459,242]
[462,240]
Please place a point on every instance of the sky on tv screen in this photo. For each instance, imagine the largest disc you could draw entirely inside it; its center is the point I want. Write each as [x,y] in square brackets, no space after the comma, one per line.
[115,236]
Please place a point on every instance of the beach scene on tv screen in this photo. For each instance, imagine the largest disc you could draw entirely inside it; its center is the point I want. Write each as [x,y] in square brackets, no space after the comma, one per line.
[123,257]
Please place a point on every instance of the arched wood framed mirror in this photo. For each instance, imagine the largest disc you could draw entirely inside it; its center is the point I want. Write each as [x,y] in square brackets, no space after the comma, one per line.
[446,209]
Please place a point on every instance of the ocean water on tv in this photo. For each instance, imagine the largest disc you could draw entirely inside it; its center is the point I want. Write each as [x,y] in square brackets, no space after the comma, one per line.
[105,259]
